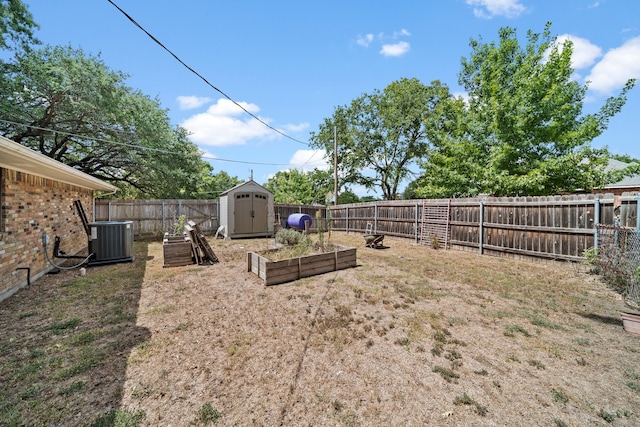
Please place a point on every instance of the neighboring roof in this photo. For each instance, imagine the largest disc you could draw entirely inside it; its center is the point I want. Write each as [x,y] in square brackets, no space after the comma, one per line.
[248,183]
[23,159]
[627,181]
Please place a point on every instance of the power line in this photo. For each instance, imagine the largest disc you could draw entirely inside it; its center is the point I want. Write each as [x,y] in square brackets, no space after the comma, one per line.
[159,150]
[203,78]
[142,147]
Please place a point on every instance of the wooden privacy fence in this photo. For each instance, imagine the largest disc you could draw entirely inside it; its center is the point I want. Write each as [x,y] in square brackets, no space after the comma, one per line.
[160,216]
[555,227]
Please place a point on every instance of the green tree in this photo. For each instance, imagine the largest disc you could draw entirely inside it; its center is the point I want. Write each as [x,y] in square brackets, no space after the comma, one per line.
[16,26]
[522,131]
[381,134]
[298,187]
[71,107]
[214,184]
[347,196]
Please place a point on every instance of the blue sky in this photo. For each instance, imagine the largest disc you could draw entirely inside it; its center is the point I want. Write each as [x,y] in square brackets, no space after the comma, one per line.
[291,63]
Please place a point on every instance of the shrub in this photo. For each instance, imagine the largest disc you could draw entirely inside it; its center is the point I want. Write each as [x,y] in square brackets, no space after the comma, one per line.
[291,237]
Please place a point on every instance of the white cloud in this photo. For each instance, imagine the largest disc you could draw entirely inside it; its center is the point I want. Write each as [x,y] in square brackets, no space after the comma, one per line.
[365,40]
[584,52]
[401,33]
[191,102]
[396,49]
[308,160]
[489,8]
[224,124]
[616,67]
[291,128]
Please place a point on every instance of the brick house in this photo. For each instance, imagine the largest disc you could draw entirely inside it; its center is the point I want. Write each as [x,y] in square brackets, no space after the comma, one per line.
[37,197]
[625,185]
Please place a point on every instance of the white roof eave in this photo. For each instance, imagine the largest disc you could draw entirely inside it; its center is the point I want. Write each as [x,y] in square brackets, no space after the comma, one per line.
[23,159]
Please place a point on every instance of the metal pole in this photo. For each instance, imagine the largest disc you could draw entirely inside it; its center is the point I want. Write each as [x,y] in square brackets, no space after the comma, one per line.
[335,165]
[638,212]
[481,228]
[596,221]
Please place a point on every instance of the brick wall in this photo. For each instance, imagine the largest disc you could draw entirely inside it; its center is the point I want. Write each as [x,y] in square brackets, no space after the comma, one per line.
[31,207]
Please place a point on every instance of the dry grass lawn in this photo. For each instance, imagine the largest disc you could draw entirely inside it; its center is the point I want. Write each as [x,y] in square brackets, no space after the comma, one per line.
[410,337]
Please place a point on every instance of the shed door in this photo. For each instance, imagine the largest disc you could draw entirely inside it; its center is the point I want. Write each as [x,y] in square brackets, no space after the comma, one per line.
[242,215]
[250,214]
[260,213]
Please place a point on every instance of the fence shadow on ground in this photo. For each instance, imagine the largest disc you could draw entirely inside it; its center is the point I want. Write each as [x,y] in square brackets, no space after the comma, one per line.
[65,345]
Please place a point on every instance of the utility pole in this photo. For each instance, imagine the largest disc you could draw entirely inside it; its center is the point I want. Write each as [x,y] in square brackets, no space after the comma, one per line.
[335,165]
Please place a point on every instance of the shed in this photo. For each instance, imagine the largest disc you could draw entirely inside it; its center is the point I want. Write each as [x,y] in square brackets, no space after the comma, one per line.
[37,195]
[246,210]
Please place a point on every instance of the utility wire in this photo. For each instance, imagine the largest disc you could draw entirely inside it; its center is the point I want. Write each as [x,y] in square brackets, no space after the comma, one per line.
[203,78]
[159,150]
[142,147]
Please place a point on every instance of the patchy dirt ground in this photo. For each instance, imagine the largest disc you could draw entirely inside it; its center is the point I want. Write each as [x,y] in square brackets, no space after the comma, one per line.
[410,337]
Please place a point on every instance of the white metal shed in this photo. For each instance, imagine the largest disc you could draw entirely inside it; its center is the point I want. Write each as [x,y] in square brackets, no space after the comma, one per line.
[246,210]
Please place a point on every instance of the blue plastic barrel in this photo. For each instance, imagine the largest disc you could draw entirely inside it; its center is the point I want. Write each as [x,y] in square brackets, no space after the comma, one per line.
[297,220]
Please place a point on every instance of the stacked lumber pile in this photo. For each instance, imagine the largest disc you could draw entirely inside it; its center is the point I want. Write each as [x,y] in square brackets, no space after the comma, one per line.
[190,248]
[201,249]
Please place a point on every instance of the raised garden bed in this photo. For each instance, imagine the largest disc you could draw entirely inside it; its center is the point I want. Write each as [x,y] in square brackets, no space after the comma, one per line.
[177,251]
[287,270]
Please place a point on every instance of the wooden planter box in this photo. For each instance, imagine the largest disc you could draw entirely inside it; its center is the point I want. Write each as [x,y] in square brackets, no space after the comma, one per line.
[177,251]
[287,270]
[631,322]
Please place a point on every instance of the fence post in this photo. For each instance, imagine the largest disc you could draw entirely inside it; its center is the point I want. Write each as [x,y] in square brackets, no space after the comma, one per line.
[638,212]
[162,220]
[375,217]
[481,228]
[346,215]
[596,221]
[108,211]
[416,223]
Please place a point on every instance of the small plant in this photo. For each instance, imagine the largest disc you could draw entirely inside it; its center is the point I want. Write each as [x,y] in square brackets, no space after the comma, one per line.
[581,340]
[482,372]
[559,423]
[513,358]
[634,384]
[448,374]
[510,331]
[62,327]
[608,417]
[435,242]
[320,230]
[559,396]
[538,320]
[466,400]
[207,414]
[590,259]
[536,364]
[121,418]
[179,226]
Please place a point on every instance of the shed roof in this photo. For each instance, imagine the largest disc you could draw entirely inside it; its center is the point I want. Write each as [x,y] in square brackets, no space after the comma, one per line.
[250,182]
[23,159]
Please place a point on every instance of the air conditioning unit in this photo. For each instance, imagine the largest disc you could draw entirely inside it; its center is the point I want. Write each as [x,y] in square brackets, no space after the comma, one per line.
[110,242]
